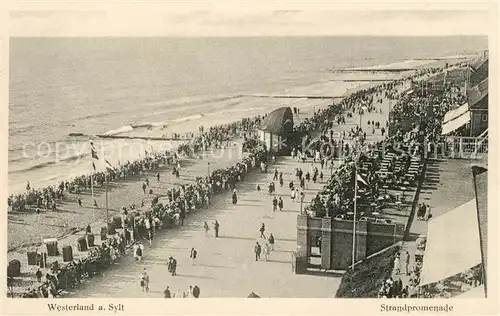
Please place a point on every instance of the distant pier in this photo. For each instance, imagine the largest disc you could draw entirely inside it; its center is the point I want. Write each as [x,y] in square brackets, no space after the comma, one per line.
[375,70]
[278,96]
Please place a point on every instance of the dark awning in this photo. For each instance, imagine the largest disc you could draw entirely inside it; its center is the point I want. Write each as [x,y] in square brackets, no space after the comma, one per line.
[279,121]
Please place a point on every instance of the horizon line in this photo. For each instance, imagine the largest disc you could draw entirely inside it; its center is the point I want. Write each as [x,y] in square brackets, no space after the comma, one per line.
[251,36]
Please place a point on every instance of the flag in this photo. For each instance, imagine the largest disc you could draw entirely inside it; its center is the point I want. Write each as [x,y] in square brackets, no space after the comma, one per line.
[93,151]
[109,167]
[472,69]
[359,178]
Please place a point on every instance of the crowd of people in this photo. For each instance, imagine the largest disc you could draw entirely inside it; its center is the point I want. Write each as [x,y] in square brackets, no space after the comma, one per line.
[49,197]
[335,200]
[141,224]
[416,120]
[67,276]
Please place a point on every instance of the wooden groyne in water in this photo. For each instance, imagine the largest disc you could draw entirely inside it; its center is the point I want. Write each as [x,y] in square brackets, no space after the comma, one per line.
[143,137]
[131,137]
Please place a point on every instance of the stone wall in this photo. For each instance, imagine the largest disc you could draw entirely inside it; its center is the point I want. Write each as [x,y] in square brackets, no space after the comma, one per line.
[336,235]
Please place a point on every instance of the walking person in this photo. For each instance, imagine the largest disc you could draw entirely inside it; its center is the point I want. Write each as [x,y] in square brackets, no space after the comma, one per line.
[257,250]
[293,195]
[138,251]
[270,188]
[169,264]
[174,267]
[262,230]
[275,178]
[275,204]
[149,231]
[280,204]
[193,254]
[166,293]
[271,241]
[39,276]
[428,214]
[267,252]
[205,226]
[281,179]
[196,291]
[216,229]
[145,281]
[406,259]
[397,264]
[235,197]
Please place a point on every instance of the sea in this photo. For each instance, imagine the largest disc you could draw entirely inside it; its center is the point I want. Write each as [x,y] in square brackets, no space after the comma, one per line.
[156,86]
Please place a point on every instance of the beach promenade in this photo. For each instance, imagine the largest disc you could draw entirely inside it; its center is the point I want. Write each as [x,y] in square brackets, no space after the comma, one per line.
[130,191]
[225,266]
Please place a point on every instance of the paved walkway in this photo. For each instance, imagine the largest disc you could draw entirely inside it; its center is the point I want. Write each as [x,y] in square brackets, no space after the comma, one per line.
[128,191]
[225,267]
[447,185]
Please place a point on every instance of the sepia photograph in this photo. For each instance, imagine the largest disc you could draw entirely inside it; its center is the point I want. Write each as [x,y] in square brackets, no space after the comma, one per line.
[247,154]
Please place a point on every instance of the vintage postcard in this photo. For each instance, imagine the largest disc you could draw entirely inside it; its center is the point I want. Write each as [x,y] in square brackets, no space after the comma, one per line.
[189,153]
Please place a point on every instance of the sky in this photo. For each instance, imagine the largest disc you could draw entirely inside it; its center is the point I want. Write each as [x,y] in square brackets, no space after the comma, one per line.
[251,18]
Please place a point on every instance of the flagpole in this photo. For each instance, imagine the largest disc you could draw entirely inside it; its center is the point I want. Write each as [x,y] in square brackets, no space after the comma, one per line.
[92,191]
[107,209]
[354,220]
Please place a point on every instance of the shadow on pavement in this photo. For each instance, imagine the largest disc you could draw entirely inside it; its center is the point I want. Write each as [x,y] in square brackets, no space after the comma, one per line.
[193,276]
[235,237]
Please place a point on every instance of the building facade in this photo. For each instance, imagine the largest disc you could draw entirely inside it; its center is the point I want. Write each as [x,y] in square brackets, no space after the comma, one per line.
[336,244]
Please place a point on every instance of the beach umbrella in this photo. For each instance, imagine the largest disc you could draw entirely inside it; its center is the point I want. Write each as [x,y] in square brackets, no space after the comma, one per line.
[253,295]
